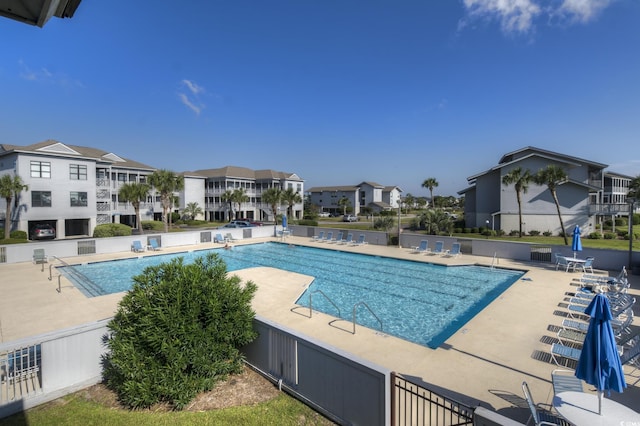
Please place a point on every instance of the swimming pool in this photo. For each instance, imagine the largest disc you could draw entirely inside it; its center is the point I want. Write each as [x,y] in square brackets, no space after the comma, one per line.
[420,302]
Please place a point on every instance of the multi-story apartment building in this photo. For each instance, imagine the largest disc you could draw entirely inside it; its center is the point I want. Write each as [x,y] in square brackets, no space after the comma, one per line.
[74,188]
[588,196]
[366,194]
[71,188]
[252,182]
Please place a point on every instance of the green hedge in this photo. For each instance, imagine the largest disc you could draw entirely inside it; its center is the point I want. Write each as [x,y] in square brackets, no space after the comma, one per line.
[111,230]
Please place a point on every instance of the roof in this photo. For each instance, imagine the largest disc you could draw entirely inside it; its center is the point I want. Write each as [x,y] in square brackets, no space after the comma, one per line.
[391,188]
[37,12]
[245,173]
[530,151]
[344,188]
[53,148]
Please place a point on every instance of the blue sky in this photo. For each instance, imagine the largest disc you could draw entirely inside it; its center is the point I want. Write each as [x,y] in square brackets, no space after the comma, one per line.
[338,92]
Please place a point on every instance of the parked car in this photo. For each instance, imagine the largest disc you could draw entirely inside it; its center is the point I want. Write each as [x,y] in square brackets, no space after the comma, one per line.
[250,221]
[241,223]
[324,214]
[349,218]
[43,231]
[232,225]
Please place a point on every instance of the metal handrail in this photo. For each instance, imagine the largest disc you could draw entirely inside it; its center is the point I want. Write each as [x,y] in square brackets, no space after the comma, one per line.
[326,297]
[77,274]
[372,313]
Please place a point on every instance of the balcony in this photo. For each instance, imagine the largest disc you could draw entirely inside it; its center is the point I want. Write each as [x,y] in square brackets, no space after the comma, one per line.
[609,209]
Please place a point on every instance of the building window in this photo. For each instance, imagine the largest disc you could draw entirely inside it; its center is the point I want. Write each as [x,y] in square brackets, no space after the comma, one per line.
[40,198]
[77,172]
[78,199]
[41,169]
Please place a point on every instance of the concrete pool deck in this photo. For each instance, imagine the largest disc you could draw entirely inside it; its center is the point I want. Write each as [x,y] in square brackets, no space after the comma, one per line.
[486,360]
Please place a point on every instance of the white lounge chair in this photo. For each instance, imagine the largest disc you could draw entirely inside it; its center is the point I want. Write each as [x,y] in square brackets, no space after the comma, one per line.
[454,252]
[439,248]
[564,262]
[422,248]
[40,258]
[588,265]
[328,238]
[360,242]
[318,237]
[348,240]
[153,244]
[219,239]
[136,246]
[338,238]
[540,416]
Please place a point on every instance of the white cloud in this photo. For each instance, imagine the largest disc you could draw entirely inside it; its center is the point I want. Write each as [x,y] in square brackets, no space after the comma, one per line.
[43,75]
[582,11]
[514,15]
[192,100]
[193,87]
[186,101]
[519,16]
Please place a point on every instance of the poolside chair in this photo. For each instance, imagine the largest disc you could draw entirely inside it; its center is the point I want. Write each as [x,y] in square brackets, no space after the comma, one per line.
[219,239]
[153,244]
[348,240]
[328,238]
[422,248]
[540,416]
[360,242]
[588,264]
[318,237]
[439,248]
[563,351]
[454,252]
[564,262]
[136,246]
[40,258]
[338,238]
[229,237]
[565,381]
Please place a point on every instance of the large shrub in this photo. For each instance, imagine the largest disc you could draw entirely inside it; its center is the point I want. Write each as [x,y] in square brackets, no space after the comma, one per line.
[111,230]
[177,332]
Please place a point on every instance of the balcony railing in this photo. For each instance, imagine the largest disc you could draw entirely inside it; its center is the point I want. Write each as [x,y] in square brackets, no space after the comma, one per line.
[609,209]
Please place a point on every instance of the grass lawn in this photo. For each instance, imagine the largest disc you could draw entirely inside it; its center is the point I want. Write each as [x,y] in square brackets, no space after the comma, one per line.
[75,410]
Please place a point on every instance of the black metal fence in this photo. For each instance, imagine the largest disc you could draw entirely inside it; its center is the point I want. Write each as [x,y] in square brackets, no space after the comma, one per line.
[413,404]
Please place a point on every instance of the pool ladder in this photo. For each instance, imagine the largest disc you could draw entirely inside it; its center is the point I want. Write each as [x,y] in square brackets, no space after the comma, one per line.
[353,315]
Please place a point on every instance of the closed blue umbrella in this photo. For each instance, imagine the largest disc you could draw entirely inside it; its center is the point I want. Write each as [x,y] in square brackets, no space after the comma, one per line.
[599,363]
[576,245]
[284,221]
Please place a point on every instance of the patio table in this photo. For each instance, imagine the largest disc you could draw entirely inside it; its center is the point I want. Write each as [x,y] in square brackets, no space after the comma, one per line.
[581,408]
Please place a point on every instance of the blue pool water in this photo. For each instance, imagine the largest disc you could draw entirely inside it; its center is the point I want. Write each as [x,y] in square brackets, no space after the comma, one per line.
[420,302]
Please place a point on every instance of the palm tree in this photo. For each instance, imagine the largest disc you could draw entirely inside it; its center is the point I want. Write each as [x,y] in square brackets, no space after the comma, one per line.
[192,210]
[135,193]
[634,188]
[227,197]
[430,183]
[552,176]
[239,196]
[291,197]
[273,197]
[10,187]
[344,203]
[408,201]
[166,183]
[436,221]
[521,181]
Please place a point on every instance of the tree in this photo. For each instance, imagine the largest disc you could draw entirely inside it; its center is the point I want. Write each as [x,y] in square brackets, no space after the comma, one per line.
[520,179]
[383,223]
[273,197]
[290,197]
[634,188]
[239,196]
[135,193]
[409,202]
[430,183]
[227,197]
[10,188]
[177,332]
[552,176]
[436,221]
[166,183]
[345,203]
[193,210]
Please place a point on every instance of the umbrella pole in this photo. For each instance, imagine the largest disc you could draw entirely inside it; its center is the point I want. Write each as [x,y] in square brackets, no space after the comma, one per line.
[600,396]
